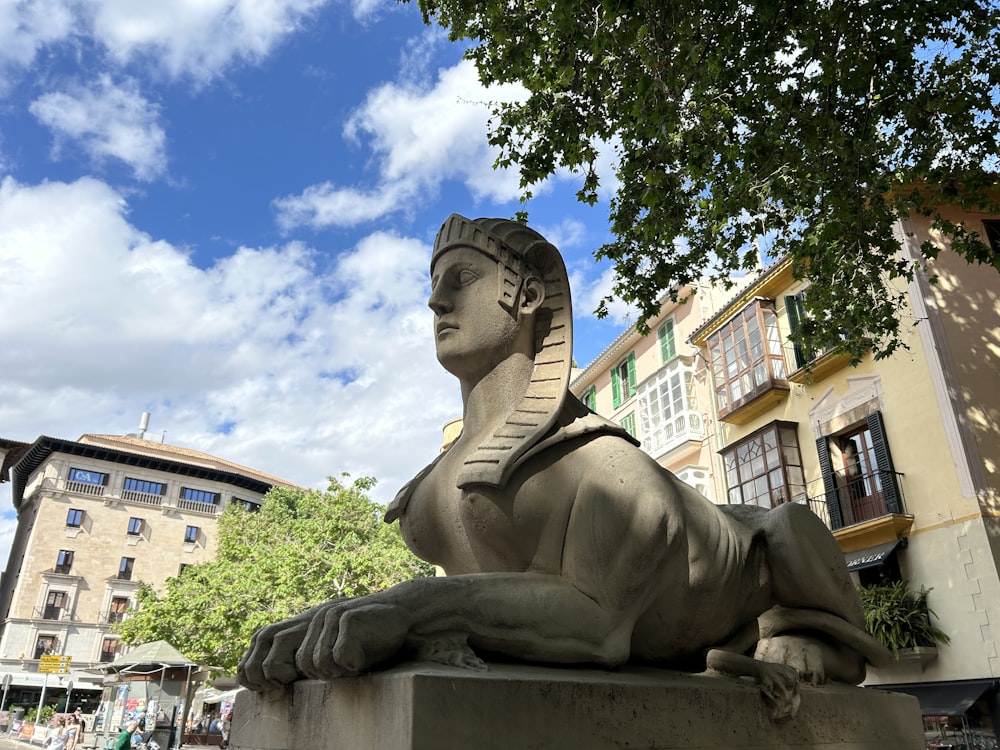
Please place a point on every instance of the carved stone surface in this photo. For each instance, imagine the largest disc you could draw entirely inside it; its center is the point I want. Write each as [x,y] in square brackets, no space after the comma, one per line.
[564,543]
[429,707]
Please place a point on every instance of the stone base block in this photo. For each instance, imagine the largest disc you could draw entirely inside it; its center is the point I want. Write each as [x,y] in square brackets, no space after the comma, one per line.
[512,707]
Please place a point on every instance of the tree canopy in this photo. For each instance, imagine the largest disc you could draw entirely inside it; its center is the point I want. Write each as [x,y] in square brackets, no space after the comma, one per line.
[802,127]
[303,547]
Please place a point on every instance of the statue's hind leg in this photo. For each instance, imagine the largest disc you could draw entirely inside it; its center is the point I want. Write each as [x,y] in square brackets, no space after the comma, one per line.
[818,610]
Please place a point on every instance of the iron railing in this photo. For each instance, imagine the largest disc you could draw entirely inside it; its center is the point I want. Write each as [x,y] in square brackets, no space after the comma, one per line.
[848,500]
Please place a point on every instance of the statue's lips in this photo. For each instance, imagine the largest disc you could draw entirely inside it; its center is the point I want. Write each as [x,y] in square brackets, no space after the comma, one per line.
[442,327]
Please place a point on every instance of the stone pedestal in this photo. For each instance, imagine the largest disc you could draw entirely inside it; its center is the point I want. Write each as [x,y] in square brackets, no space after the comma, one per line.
[431,707]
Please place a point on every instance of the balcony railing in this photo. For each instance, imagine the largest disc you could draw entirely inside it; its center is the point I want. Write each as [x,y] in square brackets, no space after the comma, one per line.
[85,488]
[113,618]
[142,498]
[854,500]
[209,509]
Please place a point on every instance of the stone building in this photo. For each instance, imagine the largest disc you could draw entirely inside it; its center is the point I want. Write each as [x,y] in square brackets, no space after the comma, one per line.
[95,517]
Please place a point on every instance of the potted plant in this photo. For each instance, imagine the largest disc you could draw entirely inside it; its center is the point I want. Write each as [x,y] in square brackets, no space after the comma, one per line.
[899,617]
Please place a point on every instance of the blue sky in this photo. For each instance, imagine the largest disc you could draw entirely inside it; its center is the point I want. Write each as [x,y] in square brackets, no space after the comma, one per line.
[220,212]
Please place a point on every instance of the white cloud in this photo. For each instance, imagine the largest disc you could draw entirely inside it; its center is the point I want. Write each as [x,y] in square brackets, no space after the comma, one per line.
[26,26]
[107,121]
[420,136]
[196,39]
[267,358]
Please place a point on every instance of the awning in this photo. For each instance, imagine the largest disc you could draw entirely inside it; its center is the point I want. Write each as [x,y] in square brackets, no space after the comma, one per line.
[943,698]
[870,556]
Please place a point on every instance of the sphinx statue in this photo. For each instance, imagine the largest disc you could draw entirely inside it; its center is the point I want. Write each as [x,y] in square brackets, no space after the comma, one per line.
[562,541]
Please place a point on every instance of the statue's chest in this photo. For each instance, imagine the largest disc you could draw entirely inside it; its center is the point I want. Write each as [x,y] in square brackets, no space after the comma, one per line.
[483,529]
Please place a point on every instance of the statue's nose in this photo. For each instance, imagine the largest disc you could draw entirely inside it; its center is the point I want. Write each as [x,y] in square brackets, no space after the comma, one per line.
[438,303]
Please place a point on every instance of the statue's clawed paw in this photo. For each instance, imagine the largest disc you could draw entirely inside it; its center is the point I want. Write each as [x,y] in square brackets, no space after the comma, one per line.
[453,651]
[779,685]
[801,653]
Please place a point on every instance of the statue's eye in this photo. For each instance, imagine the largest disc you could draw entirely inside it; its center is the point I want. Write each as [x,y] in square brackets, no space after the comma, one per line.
[467,276]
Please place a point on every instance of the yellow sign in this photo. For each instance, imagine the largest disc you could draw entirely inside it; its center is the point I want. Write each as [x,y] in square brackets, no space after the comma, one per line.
[54,664]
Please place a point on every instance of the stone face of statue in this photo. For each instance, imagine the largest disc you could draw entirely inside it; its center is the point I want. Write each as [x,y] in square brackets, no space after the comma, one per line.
[472,331]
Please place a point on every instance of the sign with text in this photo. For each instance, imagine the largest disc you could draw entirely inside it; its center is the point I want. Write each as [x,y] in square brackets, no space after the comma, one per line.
[54,664]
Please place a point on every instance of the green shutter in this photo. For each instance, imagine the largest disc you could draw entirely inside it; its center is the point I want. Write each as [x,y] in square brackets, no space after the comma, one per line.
[794,310]
[829,484]
[668,350]
[628,422]
[616,388]
[590,398]
[631,374]
[886,470]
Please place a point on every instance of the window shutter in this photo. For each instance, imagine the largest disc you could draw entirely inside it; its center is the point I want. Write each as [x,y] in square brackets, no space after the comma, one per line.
[829,484]
[792,307]
[668,349]
[631,374]
[616,388]
[887,472]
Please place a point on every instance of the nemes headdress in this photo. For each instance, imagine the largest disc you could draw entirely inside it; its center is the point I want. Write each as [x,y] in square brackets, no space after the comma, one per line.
[519,252]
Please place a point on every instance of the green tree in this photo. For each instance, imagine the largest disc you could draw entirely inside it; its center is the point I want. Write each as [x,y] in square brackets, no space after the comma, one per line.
[302,547]
[807,126]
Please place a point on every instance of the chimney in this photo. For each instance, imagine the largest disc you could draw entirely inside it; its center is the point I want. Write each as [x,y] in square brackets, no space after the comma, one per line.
[143,425]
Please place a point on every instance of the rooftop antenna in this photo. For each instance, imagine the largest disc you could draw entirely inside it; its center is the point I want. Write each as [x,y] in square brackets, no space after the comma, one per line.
[163,436]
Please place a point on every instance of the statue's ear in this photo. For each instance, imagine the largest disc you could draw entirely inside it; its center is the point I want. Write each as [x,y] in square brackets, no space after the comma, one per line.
[532,295]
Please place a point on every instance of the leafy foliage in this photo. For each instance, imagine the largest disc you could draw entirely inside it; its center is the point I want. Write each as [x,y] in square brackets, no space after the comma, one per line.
[302,548]
[810,128]
[898,617]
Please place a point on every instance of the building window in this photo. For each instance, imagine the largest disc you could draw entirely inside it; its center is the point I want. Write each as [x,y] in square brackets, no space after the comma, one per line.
[125,568]
[85,482]
[992,227]
[143,486]
[199,496]
[859,477]
[589,398]
[665,335]
[117,610]
[628,422]
[695,477]
[74,518]
[623,380]
[668,409]
[83,476]
[249,505]
[134,526]
[191,534]
[109,649]
[746,357]
[55,603]
[45,646]
[766,468]
[64,561]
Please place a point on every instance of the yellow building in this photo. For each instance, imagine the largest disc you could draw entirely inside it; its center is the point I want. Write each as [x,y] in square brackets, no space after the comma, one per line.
[96,516]
[900,456]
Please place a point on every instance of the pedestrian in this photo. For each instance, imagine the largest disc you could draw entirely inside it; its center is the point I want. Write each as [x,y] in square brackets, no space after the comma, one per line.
[58,735]
[81,723]
[224,726]
[124,741]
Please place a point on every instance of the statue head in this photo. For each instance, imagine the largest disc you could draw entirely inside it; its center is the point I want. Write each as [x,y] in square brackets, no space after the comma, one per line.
[523,258]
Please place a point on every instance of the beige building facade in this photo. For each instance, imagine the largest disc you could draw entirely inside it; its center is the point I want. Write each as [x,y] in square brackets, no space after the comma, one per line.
[97,516]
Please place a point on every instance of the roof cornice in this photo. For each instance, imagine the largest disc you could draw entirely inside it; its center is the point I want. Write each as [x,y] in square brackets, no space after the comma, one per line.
[45,446]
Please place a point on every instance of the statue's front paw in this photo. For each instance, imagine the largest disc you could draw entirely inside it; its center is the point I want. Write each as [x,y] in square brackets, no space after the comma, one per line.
[451,650]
